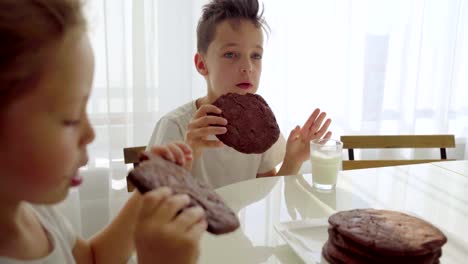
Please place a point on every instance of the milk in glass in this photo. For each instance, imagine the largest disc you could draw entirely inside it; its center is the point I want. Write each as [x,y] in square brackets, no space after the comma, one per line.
[325,167]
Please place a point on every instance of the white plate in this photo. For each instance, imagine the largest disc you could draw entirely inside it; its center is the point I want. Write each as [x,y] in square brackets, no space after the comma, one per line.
[306,238]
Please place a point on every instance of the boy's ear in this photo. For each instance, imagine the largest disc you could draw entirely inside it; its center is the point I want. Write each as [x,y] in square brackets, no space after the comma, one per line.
[200,64]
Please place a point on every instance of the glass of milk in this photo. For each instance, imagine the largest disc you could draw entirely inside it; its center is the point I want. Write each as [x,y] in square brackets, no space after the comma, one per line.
[325,157]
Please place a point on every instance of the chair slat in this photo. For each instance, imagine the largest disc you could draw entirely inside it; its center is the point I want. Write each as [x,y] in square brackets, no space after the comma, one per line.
[132,155]
[390,142]
[363,164]
[398,141]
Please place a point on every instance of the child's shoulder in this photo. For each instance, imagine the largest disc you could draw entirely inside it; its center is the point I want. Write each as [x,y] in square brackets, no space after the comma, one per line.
[59,231]
[50,214]
[181,113]
[46,213]
[52,219]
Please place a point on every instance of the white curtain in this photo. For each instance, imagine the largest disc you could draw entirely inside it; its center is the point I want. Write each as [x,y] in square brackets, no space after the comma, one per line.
[375,66]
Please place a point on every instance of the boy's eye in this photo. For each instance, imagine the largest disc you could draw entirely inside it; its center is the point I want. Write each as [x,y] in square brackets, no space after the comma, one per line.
[74,122]
[257,56]
[229,55]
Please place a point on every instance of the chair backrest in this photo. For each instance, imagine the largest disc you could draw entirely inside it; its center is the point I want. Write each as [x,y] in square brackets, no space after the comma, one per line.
[132,156]
[393,141]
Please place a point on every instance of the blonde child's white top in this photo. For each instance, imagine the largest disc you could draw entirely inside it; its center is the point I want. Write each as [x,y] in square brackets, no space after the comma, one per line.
[217,166]
[60,234]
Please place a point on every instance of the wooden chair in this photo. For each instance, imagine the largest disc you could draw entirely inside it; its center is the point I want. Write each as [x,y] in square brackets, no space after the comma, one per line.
[393,141]
[131,155]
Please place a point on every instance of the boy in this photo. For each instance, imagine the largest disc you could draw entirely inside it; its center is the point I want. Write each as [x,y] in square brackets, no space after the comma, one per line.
[229,57]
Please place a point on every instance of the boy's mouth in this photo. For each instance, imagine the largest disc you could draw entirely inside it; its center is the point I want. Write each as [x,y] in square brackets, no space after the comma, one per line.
[244,85]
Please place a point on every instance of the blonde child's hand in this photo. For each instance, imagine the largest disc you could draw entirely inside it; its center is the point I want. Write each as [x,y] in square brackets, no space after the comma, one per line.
[203,125]
[164,233]
[298,144]
[177,152]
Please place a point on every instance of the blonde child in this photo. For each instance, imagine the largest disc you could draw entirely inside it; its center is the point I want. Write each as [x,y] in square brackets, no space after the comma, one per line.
[46,71]
[229,57]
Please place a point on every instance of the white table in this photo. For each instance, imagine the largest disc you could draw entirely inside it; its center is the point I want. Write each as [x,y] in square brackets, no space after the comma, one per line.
[457,166]
[435,192]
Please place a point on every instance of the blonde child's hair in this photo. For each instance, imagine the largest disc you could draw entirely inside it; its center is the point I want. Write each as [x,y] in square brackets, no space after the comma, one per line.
[29,31]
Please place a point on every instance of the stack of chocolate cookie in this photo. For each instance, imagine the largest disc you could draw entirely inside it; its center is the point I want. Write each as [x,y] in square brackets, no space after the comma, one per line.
[381,236]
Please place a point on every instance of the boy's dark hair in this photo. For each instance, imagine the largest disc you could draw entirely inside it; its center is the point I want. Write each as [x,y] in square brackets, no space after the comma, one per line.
[217,11]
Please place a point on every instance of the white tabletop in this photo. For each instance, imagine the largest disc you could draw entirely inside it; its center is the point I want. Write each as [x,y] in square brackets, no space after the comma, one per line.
[434,192]
[458,166]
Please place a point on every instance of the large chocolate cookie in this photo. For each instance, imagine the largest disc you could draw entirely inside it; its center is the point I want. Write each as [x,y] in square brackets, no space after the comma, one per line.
[388,232]
[156,172]
[251,127]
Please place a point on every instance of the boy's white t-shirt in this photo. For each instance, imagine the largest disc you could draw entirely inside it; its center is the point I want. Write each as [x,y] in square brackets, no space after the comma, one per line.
[217,166]
[60,234]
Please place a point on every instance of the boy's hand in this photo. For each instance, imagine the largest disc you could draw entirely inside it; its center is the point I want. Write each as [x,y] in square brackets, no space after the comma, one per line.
[164,233]
[177,152]
[203,125]
[298,145]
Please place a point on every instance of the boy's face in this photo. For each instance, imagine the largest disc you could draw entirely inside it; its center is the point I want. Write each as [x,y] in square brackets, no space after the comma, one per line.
[233,61]
[47,129]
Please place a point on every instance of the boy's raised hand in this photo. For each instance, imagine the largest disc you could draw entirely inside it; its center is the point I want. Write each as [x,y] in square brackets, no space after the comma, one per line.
[163,230]
[203,125]
[298,145]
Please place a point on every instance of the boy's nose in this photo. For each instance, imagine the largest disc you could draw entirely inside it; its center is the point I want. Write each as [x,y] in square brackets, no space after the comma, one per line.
[246,68]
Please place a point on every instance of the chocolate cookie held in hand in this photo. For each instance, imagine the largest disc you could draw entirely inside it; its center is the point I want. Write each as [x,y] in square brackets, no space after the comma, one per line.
[155,172]
[251,127]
